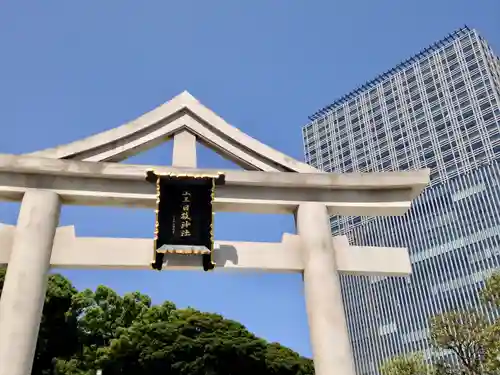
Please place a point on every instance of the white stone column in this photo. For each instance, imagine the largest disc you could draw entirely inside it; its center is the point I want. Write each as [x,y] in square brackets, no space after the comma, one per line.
[330,342]
[184,153]
[26,281]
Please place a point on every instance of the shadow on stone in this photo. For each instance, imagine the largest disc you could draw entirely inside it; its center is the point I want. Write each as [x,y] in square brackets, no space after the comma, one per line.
[222,254]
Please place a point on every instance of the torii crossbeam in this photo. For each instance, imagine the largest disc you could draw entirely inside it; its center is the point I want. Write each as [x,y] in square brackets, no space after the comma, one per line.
[85,172]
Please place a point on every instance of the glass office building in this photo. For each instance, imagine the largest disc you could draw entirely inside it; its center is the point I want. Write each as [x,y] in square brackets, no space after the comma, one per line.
[440,110]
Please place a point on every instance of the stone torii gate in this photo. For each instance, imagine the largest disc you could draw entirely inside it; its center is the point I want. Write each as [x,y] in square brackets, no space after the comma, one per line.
[85,172]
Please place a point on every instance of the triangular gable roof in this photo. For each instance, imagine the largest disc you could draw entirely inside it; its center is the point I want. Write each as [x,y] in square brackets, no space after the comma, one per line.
[182,113]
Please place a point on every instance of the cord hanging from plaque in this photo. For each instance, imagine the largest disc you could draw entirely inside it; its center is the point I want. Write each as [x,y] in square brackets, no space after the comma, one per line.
[184,216]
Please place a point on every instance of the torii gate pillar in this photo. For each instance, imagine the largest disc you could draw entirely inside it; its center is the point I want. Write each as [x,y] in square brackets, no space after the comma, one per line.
[25,283]
[331,352]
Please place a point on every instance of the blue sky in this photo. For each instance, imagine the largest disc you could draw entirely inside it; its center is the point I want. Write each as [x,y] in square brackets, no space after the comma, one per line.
[69,69]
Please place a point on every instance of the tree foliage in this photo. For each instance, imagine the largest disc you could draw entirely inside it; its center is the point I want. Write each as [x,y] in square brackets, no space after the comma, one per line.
[491,291]
[470,339]
[82,332]
[411,365]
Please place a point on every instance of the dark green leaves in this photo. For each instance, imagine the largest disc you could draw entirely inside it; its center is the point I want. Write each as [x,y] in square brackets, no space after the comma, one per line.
[90,330]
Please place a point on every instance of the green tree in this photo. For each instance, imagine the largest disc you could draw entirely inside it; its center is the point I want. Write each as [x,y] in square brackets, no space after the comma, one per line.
[126,335]
[491,291]
[90,330]
[472,340]
[100,316]
[410,365]
[466,334]
[189,342]
[281,360]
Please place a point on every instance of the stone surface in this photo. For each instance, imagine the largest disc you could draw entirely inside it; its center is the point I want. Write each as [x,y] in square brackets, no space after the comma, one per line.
[86,183]
[26,281]
[184,152]
[156,126]
[70,251]
[325,310]
[417,180]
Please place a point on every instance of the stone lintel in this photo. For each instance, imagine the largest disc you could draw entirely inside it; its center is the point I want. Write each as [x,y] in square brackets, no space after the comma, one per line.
[70,251]
[416,180]
[110,184]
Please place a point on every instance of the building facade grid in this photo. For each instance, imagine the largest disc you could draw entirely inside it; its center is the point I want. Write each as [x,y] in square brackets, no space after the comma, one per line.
[438,110]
